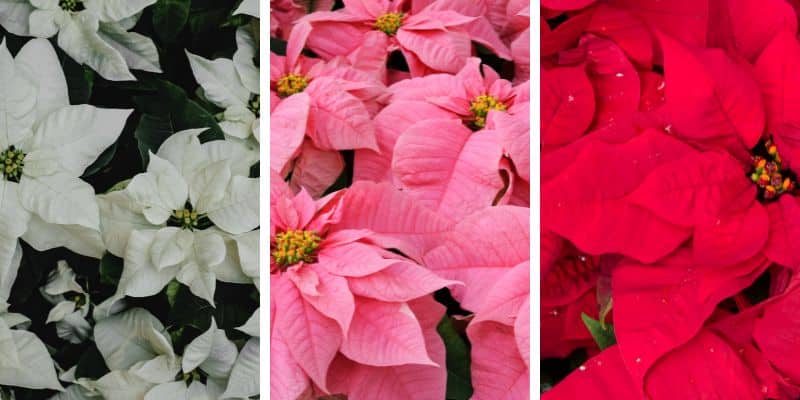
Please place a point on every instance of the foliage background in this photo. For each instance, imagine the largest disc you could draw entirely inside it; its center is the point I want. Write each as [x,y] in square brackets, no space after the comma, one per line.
[164,103]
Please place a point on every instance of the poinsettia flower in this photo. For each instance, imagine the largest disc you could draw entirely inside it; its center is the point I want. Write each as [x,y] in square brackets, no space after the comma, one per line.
[482,166]
[318,109]
[249,7]
[91,32]
[172,221]
[232,84]
[68,313]
[434,37]
[336,291]
[46,145]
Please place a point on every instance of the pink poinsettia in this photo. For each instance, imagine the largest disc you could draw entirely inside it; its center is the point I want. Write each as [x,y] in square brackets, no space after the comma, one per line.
[318,108]
[433,36]
[489,251]
[336,292]
[482,156]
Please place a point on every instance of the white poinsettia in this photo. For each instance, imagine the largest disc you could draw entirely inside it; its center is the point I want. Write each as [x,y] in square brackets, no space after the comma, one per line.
[92,32]
[46,144]
[71,304]
[232,84]
[173,221]
[249,7]
[24,360]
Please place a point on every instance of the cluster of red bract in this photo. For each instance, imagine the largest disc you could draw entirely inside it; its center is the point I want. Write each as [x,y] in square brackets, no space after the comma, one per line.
[670,146]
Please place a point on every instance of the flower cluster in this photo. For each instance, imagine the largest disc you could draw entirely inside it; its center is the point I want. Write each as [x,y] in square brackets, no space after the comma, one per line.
[129,210]
[399,158]
[669,199]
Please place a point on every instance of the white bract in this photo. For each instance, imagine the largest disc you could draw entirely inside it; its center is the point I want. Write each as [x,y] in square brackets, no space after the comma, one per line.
[92,32]
[45,146]
[177,220]
[232,84]
[249,7]
[72,304]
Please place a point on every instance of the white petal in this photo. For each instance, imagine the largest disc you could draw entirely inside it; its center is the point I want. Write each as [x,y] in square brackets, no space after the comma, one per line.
[240,156]
[9,266]
[118,218]
[219,81]
[161,369]
[74,328]
[43,236]
[60,311]
[138,50]
[229,269]
[43,23]
[60,199]
[198,349]
[238,212]
[140,278]
[201,281]
[244,61]
[244,380]
[207,188]
[17,103]
[38,62]
[74,136]
[170,246]
[115,10]
[222,357]
[198,391]
[36,370]
[80,40]
[249,7]
[14,16]
[159,191]
[62,280]
[122,385]
[169,390]
[131,337]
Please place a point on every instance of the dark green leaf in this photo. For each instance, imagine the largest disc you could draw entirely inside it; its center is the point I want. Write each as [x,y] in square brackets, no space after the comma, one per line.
[603,334]
[459,383]
[110,269]
[91,364]
[189,310]
[169,18]
[102,161]
[80,80]
[277,46]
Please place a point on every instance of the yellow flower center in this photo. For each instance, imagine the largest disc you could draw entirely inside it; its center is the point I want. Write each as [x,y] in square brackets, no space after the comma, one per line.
[12,162]
[389,23]
[768,173]
[188,218]
[294,246]
[291,84]
[71,5]
[480,107]
[254,105]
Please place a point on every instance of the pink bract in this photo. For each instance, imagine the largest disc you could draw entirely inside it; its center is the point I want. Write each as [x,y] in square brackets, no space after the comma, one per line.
[341,300]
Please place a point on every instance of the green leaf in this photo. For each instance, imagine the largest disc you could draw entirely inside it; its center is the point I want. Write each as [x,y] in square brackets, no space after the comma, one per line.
[169,18]
[172,291]
[459,383]
[105,158]
[189,310]
[603,334]
[110,269]
[167,111]
[277,46]
[80,80]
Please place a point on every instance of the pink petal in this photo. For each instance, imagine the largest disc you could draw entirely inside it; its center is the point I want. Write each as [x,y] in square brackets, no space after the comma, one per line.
[438,50]
[402,281]
[498,371]
[316,170]
[389,124]
[352,259]
[288,123]
[365,8]
[385,334]
[312,338]
[482,248]
[330,39]
[287,379]
[455,173]
[334,300]
[395,219]
[522,332]
[505,298]
[341,121]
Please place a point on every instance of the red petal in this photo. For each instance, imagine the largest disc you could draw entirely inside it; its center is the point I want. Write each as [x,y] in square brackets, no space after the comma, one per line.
[784,217]
[745,27]
[567,104]
[603,377]
[732,238]
[626,30]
